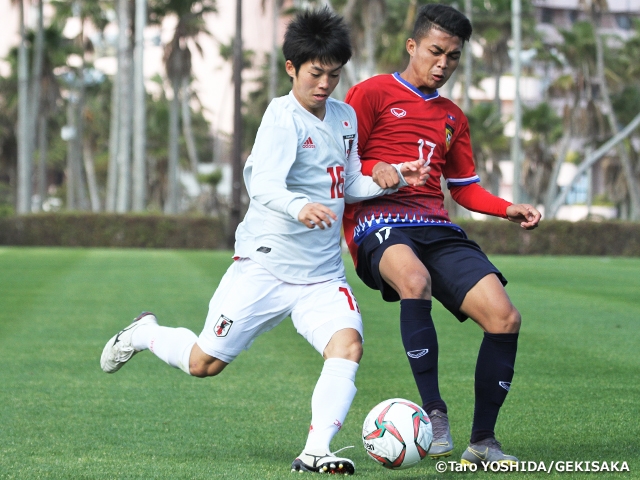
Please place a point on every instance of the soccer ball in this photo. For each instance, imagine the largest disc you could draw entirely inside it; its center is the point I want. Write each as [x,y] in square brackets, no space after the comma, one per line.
[397,433]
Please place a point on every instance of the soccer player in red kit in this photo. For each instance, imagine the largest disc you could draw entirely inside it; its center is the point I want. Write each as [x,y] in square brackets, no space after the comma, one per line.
[405,244]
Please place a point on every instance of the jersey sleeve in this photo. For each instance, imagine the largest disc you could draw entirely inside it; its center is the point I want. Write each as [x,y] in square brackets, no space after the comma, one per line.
[463,181]
[358,187]
[475,198]
[459,169]
[272,156]
[366,113]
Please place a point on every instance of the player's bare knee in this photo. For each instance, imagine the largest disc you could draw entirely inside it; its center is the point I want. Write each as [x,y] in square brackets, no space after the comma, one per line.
[415,285]
[508,322]
[514,320]
[199,370]
[354,352]
[348,350]
[204,369]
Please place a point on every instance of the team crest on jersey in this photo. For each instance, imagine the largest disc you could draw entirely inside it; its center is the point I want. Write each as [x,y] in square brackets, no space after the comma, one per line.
[448,133]
[348,143]
[222,326]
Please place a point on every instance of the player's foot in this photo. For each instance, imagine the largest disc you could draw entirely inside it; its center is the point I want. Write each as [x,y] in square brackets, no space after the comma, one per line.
[442,444]
[119,349]
[488,450]
[327,463]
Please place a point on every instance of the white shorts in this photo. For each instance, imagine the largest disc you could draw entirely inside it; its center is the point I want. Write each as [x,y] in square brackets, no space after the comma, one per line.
[250,301]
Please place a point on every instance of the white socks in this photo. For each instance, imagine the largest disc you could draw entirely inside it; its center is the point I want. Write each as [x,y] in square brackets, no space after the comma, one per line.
[330,403]
[171,345]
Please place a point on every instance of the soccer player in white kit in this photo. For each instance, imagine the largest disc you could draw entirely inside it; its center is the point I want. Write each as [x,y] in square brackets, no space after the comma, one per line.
[303,166]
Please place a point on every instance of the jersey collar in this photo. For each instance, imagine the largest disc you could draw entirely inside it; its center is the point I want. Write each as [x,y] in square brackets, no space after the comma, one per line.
[406,84]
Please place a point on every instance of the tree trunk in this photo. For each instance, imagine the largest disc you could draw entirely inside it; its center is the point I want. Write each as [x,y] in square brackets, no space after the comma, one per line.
[171,204]
[139,114]
[24,156]
[632,183]
[552,187]
[36,88]
[468,66]
[71,169]
[187,129]
[89,166]
[126,111]
[236,166]
[273,58]
[79,140]
[591,160]
[42,164]
[371,18]
[82,201]
[114,127]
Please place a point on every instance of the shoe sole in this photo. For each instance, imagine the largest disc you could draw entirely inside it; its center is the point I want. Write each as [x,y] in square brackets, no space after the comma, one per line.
[440,455]
[467,462]
[139,320]
[331,468]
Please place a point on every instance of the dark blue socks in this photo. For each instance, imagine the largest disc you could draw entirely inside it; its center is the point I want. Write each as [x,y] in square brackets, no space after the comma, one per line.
[494,372]
[421,346]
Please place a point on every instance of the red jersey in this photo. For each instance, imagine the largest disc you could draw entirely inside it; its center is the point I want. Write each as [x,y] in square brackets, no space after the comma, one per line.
[399,123]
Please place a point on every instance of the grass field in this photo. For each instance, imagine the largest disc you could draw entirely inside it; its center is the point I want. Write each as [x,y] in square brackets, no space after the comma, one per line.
[575,397]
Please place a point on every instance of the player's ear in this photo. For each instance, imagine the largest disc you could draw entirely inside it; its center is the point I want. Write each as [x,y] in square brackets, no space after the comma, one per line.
[290,68]
[411,46]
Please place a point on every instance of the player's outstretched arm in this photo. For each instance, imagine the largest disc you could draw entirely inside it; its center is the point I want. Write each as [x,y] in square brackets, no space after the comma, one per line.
[316,214]
[415,173]
[526,215]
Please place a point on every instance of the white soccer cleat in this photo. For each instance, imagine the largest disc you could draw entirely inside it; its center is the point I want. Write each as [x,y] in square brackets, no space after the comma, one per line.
[119,349]
[327,463]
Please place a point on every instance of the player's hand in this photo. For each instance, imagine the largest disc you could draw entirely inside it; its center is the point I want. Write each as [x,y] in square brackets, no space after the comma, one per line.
[385,175]
[316,214]
[415,173]
[524,214]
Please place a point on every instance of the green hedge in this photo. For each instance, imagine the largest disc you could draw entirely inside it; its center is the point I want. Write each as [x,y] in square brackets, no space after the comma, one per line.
[555,237]
[552,237]
[110,230]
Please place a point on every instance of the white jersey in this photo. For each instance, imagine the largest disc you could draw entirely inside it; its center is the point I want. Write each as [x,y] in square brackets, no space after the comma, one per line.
[297,159]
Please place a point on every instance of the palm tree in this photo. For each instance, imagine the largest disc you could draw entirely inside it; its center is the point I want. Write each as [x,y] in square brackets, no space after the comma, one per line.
[81,156]
[595,9]
[488,142]
[366,18]
[577,53]
[177,60]
[545,127]
[55,50]
[392,55]
[492,25]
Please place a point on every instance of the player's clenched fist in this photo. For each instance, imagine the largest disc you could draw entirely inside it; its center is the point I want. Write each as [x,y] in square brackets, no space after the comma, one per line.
[313,214]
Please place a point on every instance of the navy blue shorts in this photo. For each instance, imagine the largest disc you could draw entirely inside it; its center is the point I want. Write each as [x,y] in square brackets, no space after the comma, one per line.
[454,262]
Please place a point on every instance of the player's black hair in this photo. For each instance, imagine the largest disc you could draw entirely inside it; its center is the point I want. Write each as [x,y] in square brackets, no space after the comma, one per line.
[317,35]
[442,17]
